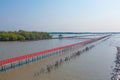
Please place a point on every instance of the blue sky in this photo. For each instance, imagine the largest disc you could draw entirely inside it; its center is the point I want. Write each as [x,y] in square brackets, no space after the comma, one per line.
[60,15]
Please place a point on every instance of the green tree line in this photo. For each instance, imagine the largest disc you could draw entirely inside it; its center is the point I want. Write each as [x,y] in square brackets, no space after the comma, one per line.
[23,35]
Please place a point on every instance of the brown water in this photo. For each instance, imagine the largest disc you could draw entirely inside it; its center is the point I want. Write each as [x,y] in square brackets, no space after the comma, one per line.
[13,49]
[94,64]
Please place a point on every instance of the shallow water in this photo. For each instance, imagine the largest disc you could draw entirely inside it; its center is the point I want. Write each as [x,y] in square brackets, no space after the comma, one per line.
[94,64]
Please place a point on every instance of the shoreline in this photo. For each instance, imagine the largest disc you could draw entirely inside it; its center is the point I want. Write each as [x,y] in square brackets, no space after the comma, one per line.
[26,40]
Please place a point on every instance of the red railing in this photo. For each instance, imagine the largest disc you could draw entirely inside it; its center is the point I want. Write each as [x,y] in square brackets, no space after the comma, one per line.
[19,58]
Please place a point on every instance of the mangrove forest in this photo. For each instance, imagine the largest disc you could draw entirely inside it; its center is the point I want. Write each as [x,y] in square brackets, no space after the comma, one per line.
[22,35]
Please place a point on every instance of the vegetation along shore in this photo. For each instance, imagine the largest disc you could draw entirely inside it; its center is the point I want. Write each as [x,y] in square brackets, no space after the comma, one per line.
[22,35]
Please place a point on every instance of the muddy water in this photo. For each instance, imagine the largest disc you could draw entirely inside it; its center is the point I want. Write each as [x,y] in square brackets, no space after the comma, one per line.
[94,64]
[13,49]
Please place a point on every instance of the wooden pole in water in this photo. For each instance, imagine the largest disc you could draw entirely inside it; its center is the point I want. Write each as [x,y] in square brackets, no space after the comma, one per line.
[19,63]
[2,68]
[32,59]
[11,65]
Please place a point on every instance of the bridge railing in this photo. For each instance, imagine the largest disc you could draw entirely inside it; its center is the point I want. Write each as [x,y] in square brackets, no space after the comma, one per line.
[25,59]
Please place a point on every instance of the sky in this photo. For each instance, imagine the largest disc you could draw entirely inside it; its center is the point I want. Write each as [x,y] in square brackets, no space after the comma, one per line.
[60,15]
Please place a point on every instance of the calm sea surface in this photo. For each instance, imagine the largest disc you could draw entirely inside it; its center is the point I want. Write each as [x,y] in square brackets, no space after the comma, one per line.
[94,64]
